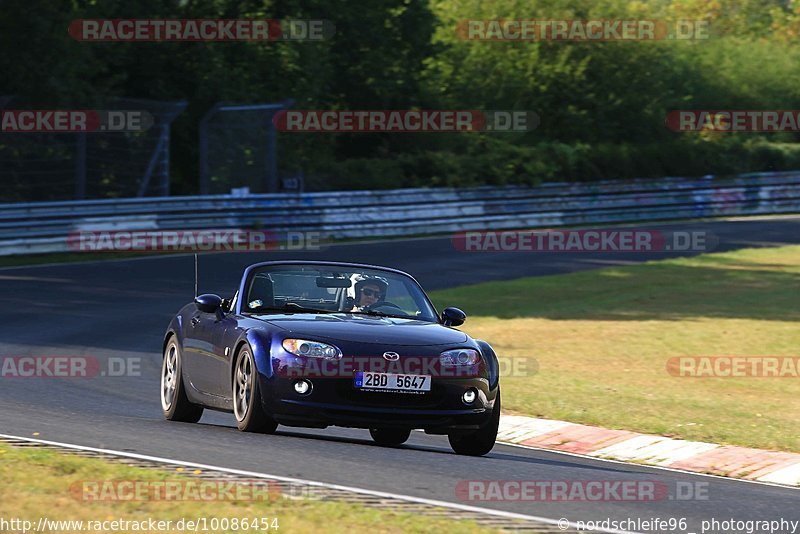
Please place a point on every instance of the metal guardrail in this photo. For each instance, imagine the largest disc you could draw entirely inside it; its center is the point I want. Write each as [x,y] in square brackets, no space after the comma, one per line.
[44,227]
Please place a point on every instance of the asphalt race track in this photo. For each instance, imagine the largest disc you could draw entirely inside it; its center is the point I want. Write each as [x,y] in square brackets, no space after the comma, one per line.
[120,309]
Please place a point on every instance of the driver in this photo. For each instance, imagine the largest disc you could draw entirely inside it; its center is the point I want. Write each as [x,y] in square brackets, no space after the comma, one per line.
[369,292]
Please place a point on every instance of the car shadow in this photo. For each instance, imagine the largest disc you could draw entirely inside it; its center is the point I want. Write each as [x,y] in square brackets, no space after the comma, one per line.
[445,450]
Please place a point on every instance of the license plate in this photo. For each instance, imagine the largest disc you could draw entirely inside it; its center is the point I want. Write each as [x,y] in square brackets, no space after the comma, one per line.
[391,382]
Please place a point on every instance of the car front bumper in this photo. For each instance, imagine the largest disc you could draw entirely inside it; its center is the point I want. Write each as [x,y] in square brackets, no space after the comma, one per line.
[336,402]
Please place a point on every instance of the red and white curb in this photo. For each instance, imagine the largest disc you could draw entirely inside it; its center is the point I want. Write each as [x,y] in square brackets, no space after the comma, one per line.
[695,456]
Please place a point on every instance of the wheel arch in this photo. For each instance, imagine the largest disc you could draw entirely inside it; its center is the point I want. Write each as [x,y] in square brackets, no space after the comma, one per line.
[259,347]
[175,329]
[241,342]
[169,335]
[492,363]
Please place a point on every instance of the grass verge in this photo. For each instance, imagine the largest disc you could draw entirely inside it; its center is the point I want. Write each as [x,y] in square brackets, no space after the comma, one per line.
[601,340]
[38,483]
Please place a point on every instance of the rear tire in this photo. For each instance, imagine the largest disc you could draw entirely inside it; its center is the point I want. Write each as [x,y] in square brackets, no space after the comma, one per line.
[174,403]
[481,441]
[389,437]
[247,407]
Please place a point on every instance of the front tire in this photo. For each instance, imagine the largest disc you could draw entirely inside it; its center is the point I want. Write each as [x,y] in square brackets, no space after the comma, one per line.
[481,441]
[174,403]
[389,437]
[247,407]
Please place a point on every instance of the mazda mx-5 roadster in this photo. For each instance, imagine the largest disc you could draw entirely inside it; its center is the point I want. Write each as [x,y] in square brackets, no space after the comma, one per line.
[315,344]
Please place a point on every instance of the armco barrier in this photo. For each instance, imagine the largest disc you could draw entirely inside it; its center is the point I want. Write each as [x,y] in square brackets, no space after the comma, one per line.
[44,226]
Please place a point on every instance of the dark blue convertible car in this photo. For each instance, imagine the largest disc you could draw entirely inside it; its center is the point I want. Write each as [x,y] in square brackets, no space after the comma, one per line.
[314,344]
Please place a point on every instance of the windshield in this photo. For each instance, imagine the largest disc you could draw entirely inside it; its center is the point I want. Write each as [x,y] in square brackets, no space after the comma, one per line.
[331,289]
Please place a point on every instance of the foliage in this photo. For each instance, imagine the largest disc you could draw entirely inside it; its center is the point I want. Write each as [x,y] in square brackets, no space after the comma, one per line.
[602,104]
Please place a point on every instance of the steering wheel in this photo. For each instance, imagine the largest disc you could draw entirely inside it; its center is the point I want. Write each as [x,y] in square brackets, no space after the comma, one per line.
[384,304]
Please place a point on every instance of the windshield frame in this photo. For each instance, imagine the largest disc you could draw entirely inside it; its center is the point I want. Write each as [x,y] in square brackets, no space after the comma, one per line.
[257,268]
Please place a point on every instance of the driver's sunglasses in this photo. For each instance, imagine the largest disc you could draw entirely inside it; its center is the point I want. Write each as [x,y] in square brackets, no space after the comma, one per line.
[371,292]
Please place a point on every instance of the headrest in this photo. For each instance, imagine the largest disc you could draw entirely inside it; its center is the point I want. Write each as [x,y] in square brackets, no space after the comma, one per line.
[261,289]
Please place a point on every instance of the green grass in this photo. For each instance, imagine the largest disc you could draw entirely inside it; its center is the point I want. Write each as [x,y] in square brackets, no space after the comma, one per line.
[602,338]
[38,483]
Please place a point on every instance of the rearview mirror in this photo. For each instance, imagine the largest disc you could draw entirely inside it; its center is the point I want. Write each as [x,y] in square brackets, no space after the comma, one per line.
[208,303]
[329,281]
[453,317]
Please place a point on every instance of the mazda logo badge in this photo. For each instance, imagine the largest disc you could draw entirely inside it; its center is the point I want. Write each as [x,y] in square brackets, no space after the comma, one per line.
[391,356]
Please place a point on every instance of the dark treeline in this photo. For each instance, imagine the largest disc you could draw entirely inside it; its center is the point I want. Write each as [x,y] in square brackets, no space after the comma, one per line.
[602,104]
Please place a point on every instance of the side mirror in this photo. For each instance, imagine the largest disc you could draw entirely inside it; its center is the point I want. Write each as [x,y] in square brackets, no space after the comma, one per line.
[453,317]
[208,303]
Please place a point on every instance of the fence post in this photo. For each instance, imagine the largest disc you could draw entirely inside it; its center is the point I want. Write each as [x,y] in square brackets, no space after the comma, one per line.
[163,185]
[80,167]
[204,170]
[272,156]
[161,145]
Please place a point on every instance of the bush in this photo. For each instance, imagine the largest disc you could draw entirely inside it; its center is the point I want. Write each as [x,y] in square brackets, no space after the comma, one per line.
[499,162]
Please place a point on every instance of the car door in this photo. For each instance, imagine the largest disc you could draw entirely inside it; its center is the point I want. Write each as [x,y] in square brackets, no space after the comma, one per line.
[206,361]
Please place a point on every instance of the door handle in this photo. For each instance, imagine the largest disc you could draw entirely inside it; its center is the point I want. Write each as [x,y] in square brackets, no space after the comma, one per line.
[195,321]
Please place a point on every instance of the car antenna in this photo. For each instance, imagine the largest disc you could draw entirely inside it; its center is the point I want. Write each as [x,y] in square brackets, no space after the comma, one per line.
[195,275]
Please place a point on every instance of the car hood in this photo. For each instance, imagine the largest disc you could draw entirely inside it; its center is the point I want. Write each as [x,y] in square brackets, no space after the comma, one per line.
[366,329]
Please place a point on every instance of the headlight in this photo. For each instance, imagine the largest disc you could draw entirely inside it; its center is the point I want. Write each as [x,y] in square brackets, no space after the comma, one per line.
[312,349]
[460,357]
